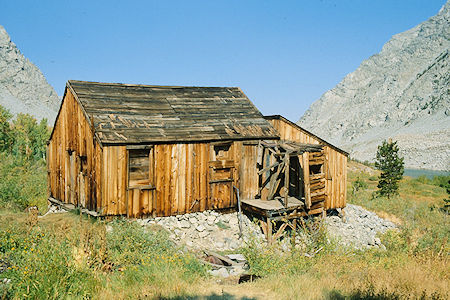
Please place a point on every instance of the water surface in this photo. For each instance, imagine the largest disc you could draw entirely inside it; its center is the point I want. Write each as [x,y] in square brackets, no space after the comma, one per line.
[428,173]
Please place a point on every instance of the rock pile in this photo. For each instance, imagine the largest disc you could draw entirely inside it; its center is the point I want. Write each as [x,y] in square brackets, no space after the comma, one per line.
[208,230]
[359,227]
[215,231]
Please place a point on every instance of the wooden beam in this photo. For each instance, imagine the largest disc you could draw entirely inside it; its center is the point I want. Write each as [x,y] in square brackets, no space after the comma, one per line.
[68,206]
[275,181]
[306,179]
[286,179]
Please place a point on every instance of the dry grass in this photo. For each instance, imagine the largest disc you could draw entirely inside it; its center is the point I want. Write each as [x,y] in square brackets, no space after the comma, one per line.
[339,277]
[390,217]
[415,265]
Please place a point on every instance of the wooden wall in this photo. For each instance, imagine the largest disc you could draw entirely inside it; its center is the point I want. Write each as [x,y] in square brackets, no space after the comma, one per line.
[336,162]
[182,176]
[73,159]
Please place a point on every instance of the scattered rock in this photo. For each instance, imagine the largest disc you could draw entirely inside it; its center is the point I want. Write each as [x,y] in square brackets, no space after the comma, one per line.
[359,228]
[203,234]
[200,228]
[222,272]
[184,224]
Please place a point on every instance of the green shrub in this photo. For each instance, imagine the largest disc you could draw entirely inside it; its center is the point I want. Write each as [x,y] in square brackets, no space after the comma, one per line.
[24,183]
[359,184]
[41,265]
[6,135]
[265,260]
[77,258]
[373,178]
[22,161]
[30,137]
[442,181]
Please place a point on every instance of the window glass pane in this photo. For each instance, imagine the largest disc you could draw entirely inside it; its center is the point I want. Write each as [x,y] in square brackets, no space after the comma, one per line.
[139,165]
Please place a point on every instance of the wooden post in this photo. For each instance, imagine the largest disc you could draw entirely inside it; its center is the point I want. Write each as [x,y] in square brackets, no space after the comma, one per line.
[269,231]
[294,229]
[286,179]
[305,157]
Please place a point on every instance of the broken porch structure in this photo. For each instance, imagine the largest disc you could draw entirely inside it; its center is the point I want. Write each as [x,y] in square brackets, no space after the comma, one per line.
[291,184]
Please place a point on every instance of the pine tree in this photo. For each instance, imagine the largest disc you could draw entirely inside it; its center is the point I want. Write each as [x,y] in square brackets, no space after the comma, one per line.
[391,166]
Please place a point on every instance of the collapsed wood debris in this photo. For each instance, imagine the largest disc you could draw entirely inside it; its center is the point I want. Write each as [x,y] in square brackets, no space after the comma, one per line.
[291,184]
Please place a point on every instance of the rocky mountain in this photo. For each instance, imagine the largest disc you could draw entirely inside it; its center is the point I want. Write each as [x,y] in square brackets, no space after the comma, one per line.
[23,88]
[402,93]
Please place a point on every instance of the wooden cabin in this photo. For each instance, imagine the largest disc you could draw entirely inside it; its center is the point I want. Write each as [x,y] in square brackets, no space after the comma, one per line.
[141,150]
[335,159]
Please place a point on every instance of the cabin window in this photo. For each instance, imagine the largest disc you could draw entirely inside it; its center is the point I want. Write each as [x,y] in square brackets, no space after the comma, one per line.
[139,166]
[221,150]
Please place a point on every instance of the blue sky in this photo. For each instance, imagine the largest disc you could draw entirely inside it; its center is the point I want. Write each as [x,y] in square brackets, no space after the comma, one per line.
[283,54]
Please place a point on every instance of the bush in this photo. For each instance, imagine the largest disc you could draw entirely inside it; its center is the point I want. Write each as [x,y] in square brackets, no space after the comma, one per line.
[23,184]
[358,184]
[6,136]
[73,257]
[22,161]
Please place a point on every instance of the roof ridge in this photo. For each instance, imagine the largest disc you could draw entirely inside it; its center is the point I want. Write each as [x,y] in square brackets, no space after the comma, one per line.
[146,85]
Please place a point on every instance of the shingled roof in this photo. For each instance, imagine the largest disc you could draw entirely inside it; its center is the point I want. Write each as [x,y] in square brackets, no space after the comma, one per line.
[140,114]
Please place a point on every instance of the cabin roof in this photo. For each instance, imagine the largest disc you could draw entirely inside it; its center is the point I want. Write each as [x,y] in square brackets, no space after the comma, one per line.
[279,117]
[140,114]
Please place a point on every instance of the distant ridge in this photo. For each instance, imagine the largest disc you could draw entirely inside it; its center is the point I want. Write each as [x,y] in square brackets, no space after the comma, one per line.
[23,88]
[403,92]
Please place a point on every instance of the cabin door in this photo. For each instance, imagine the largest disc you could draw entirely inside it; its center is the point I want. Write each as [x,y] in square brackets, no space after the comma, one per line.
[221,176]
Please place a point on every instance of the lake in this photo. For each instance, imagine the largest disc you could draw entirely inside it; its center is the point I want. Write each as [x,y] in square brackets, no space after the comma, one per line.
[428,173]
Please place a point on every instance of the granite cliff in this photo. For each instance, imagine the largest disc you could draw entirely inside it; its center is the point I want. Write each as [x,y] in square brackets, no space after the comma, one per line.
[402,93]
[23,88]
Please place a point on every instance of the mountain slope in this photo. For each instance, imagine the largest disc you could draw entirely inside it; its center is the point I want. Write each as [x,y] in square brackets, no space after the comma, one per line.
[23,88]
[403,92]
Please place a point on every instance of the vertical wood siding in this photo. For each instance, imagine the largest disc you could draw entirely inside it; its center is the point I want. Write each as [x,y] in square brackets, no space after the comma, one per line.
[336,163]
[181,175]
[74,155]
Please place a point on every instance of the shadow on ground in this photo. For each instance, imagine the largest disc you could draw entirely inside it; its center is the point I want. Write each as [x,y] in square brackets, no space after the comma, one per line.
[364,295]
[213,296]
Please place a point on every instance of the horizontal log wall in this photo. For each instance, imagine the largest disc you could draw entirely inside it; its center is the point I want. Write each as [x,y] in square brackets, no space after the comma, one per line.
[73,158]
[336,162]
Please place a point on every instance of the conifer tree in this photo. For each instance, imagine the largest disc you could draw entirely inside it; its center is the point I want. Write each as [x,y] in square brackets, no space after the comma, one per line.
[391,166]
